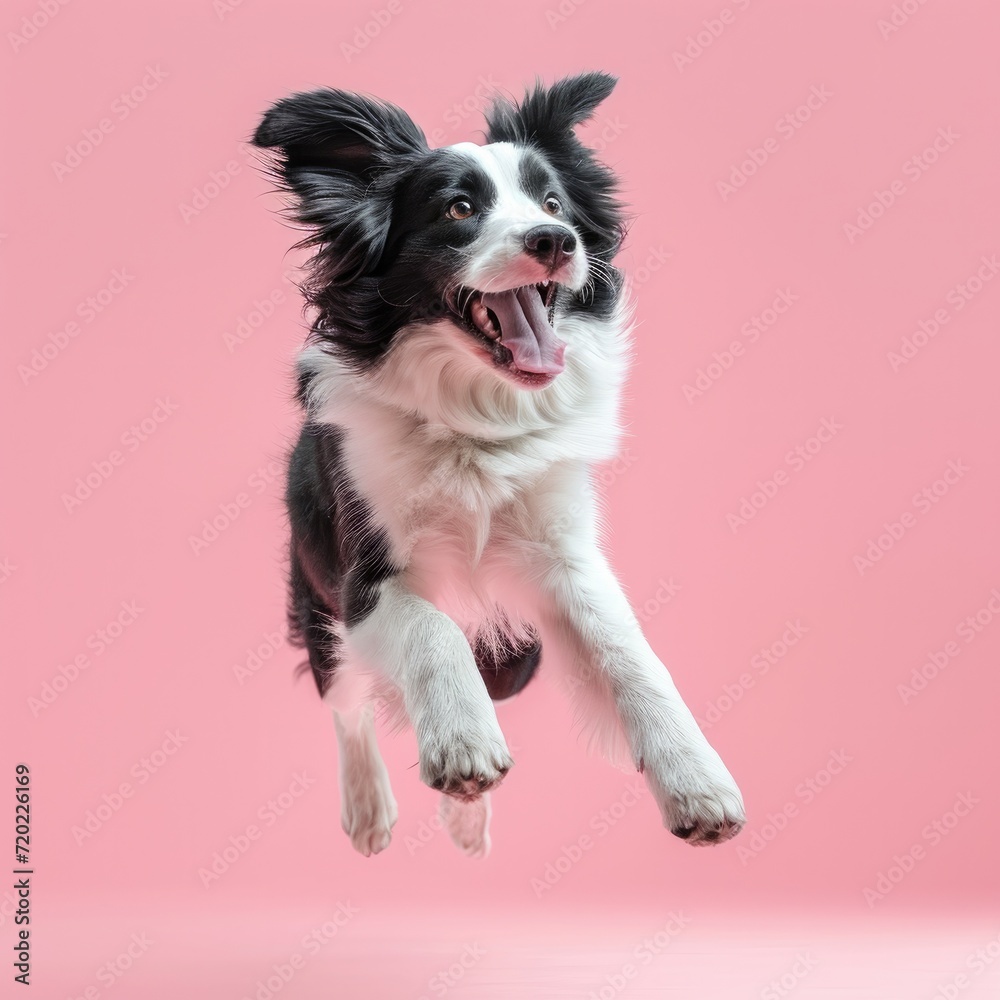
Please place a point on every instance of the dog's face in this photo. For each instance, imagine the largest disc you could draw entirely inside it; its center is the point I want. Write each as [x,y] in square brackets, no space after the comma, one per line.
[489,246]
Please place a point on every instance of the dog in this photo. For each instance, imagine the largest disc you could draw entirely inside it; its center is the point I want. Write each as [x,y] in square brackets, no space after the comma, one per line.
[470,339]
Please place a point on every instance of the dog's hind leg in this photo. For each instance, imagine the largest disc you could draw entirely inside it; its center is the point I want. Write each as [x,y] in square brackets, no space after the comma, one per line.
[368,809]
[367,806]
[468,823]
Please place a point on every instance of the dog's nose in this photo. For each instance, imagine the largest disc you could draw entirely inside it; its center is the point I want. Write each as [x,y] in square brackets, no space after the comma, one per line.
[550,244]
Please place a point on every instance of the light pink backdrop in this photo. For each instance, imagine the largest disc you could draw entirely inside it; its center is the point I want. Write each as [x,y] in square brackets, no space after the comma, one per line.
[165,222]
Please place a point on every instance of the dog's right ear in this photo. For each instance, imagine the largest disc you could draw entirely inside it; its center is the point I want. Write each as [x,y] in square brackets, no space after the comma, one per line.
[328,146]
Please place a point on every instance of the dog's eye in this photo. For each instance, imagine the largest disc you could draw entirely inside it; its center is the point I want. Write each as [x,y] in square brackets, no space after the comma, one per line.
[461,208]
[552,205]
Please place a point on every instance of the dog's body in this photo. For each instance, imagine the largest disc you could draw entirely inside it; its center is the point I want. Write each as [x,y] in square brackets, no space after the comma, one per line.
[462,377]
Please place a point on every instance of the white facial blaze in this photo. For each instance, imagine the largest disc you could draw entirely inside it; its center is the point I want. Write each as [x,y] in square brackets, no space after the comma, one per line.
[497,260]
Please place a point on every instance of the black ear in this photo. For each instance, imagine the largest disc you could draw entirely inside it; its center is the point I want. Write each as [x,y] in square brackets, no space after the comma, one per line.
[339,130]
[546,119]
[329,149]
[548,115]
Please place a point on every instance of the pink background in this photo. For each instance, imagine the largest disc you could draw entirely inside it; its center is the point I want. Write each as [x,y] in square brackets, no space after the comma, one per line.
[200,256]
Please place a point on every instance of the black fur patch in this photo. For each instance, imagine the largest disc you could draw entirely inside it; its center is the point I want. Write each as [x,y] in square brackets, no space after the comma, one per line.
[338,556]
[507,670]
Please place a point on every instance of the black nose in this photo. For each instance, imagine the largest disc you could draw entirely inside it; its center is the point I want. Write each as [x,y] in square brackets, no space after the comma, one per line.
[549,244]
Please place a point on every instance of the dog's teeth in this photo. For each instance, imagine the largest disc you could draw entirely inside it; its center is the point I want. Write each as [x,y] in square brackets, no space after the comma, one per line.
[482,318]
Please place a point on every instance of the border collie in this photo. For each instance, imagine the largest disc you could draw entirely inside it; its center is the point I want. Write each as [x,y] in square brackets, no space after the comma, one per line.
[461,378]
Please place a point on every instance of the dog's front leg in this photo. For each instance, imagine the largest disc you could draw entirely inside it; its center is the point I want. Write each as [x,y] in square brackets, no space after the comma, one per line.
[425,654]
[696,794]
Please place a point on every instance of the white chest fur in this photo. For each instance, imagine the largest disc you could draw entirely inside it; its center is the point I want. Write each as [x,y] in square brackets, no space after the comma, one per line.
[445,453]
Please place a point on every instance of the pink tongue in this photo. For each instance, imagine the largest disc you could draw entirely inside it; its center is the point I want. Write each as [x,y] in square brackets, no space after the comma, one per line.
[526,331]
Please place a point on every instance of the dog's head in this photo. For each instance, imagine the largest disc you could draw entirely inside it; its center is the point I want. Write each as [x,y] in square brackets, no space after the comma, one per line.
[490,247]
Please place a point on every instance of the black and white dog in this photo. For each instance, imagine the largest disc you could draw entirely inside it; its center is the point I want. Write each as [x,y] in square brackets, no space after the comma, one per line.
[470,341]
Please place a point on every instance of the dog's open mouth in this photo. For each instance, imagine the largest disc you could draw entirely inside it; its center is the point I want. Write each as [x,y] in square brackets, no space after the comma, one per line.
[515,328]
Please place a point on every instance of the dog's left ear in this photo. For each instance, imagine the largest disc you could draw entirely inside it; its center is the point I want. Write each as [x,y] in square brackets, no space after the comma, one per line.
[547,116]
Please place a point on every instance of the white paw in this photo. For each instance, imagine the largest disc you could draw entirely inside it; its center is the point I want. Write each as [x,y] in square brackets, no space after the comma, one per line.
[368,811]
[464,757]
[698,799]
[468,823]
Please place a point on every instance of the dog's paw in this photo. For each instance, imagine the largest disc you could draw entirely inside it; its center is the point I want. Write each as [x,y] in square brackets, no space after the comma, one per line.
[368,813]
[465,762]
[698,799]
[468,823]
